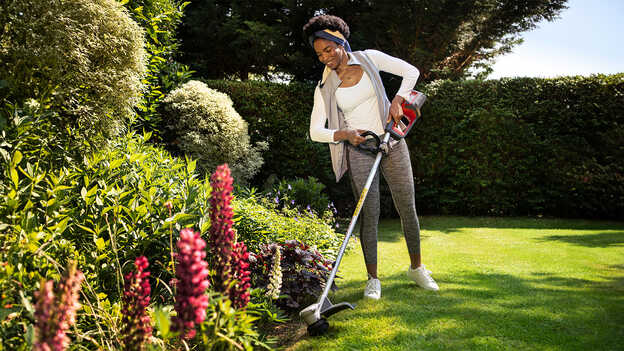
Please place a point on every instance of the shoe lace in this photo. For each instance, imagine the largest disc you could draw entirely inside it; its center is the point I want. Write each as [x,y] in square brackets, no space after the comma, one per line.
[427,274]
[371,286]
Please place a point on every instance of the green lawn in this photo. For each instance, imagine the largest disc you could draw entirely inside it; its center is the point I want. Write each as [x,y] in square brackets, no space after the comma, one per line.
[505,284]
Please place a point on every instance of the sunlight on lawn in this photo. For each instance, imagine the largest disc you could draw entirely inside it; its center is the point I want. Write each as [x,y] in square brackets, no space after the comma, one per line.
[505,284]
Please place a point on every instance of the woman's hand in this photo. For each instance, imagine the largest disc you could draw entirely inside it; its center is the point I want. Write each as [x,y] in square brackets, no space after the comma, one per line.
[351,135]
[396,111]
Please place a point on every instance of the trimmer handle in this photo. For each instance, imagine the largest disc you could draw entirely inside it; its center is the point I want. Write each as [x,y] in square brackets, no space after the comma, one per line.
[411,115]
[375,149]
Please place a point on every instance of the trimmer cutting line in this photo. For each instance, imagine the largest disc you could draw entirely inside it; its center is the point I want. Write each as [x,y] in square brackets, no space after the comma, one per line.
[315,315]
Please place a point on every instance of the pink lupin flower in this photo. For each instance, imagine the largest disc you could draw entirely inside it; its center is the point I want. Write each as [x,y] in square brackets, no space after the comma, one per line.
[191,283]
[230,260]
[55,311]
[239,293]
[137,327]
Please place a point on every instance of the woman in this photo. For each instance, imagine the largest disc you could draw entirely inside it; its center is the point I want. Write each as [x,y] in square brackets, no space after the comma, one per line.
[350,99]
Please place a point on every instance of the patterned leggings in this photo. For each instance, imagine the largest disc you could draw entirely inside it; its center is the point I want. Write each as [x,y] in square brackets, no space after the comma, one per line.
[397,171]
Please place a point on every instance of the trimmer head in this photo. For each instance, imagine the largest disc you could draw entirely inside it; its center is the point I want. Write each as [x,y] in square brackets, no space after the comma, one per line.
[315,317]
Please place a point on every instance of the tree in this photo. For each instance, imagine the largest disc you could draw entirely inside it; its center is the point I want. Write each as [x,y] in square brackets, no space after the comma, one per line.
[443,38]
[446,38]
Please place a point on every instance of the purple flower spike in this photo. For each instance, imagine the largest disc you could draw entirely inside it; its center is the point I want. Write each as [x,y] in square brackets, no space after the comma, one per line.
[191,283]
[137,326]
[55,311]
[230,259]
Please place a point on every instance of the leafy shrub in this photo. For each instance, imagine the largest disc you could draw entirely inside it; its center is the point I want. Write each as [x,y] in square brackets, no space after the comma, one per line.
[101,211]
[209,129]
[227,328]
[258,224]
[160,20]
[304,272]
[303,194]
[85,56]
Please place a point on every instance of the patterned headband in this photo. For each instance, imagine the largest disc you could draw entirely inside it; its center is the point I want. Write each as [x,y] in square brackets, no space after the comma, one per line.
[334,36]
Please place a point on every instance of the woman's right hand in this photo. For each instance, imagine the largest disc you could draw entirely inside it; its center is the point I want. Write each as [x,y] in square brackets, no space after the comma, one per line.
[354,137]
[351,135]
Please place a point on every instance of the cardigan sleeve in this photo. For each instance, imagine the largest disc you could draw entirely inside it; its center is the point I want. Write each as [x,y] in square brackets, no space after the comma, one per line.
[318,120]
[396,66]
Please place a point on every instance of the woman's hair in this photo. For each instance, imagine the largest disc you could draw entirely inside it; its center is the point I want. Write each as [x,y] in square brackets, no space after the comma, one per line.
[326,22]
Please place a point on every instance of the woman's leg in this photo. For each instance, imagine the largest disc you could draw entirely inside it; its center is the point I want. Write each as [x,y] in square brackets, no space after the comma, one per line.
[360,164]
[396,168]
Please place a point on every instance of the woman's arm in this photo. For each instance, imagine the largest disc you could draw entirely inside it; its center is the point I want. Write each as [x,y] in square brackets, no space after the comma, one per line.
[318,119]
[396,66]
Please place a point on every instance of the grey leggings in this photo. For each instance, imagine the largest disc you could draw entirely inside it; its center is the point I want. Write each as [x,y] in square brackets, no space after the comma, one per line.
[397,171]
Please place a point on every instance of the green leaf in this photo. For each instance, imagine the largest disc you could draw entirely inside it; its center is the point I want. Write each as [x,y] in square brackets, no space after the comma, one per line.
[161,317]
[116,163]
[17,157]
[62,225]
[100,244]
[179,217]
[26,303]
[14,177]
[86,228]
[190,166]
[30,335]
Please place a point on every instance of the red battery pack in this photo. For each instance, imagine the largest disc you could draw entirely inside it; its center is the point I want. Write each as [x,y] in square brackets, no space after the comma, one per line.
[411,114]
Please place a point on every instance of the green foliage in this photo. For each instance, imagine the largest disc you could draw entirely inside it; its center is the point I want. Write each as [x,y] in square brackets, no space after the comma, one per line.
[303,194]
[522,146]
[160,20]
[85,58]
[227,328]
[257,223]
[102,211]
[207,127]
[236,38]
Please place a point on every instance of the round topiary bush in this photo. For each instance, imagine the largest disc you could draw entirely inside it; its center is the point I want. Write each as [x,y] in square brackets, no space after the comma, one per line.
[86,56]
[206,126]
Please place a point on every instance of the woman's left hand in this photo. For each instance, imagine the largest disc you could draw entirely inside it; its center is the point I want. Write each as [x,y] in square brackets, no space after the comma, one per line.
[396,111]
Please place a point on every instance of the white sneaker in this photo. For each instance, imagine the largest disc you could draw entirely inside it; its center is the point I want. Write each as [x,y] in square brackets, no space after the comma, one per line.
[422,277]
[373,289]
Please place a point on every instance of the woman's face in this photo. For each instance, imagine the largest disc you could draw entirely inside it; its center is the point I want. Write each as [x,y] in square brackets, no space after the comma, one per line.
[329,53]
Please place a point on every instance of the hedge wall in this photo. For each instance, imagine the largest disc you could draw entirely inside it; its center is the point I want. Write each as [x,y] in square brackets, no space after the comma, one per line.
[522,146]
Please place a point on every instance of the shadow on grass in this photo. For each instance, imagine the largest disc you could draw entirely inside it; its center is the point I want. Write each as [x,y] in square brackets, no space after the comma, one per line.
[450,224]
[590,240]
[483,311]
[390,229]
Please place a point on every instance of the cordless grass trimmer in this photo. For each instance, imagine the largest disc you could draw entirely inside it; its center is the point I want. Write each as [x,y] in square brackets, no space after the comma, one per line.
[315,315]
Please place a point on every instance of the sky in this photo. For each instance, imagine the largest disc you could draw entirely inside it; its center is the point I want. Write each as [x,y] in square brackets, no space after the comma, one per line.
[587,38]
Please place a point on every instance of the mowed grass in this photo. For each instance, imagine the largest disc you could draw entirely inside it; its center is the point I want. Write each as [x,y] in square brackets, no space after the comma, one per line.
[505,284]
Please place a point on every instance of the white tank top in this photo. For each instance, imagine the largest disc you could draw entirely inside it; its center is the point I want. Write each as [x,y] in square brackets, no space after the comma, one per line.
[359,105]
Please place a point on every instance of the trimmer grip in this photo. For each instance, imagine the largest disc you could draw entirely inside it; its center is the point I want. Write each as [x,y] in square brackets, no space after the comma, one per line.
[411,114]
[375,149]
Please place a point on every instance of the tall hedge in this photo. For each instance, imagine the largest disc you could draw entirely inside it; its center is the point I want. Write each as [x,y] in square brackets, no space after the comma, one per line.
[522,146]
